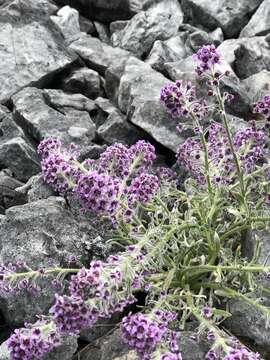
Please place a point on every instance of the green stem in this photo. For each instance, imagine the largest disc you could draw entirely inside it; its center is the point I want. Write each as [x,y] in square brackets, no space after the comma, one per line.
[30,274]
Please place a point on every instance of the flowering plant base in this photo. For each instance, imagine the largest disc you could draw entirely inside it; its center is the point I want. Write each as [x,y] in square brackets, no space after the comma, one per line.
[181,246]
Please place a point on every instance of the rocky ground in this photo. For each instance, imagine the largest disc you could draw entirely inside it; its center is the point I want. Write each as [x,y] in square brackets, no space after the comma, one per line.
[90,72]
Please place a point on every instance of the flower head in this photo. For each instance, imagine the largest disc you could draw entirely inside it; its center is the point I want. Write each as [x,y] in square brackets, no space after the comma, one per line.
[206,57]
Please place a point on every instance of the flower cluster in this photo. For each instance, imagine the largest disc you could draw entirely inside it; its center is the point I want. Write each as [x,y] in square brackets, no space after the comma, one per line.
[144,333]
[263,107]
[179,99]
[142,188]
[206,57]
[71,314]
[98,192]
[32,343]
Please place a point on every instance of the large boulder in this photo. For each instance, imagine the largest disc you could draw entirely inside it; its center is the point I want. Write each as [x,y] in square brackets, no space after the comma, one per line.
[160,22]
[230,15]
[31,48]
[259,24]
[43,113]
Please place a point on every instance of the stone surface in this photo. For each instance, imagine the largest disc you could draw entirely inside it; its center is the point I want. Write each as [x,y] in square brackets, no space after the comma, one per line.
[113,125]
[84,81]
[249,324]
[34,233]
[159,22]
[139,98]
[230,15]
[35,189]
[67,21]
[103,32]
[259,24]
[16,153]
[247,56]
[51,113]
[257,85]
[30,47]
[8,195]
[64,352]
[97,55]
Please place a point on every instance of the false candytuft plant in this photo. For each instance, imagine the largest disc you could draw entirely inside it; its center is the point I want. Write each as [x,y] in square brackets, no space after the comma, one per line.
[182,248]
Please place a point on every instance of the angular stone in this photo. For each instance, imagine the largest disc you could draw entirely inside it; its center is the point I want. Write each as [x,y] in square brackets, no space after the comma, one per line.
[32,50]
[86,25]
[97,55]
[34,233]
[35,189]
[8,195]
[159,22]
[41,115]
[67,21]
[259,24]
[84,81]
[63,352]
[139,93]
[230,15]
[166,51]
[115,127]
[16,152]
[247,56]
[103,32]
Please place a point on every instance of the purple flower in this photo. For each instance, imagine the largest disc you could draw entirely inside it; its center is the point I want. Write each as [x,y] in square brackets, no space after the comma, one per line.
[211,355]
[207,312]
[48,146]
[241,353]
[142,334]
[142,188]
[143,153]
[263,107]
[116,160]
[31,343]
[206,57]
[71,315]
[179,99]
[98,192]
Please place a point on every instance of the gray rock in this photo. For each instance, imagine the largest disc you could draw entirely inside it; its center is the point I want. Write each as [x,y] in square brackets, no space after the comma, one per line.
[117,26]
[34,233]
[139,94]
[64,352]
[259,23]
[229,15]
[86,25]
[100,329]
[97,55]
[91,152]
[67,21]
[114,126]
[248,323]
[53,113]
[84,81]
[159,22]
[42,54]
[102,10]
[111,347]
[247,56]
[103,32]
[35,189]
[166,51]
[257,85]
[199,38]
[8,195]
[16,152]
